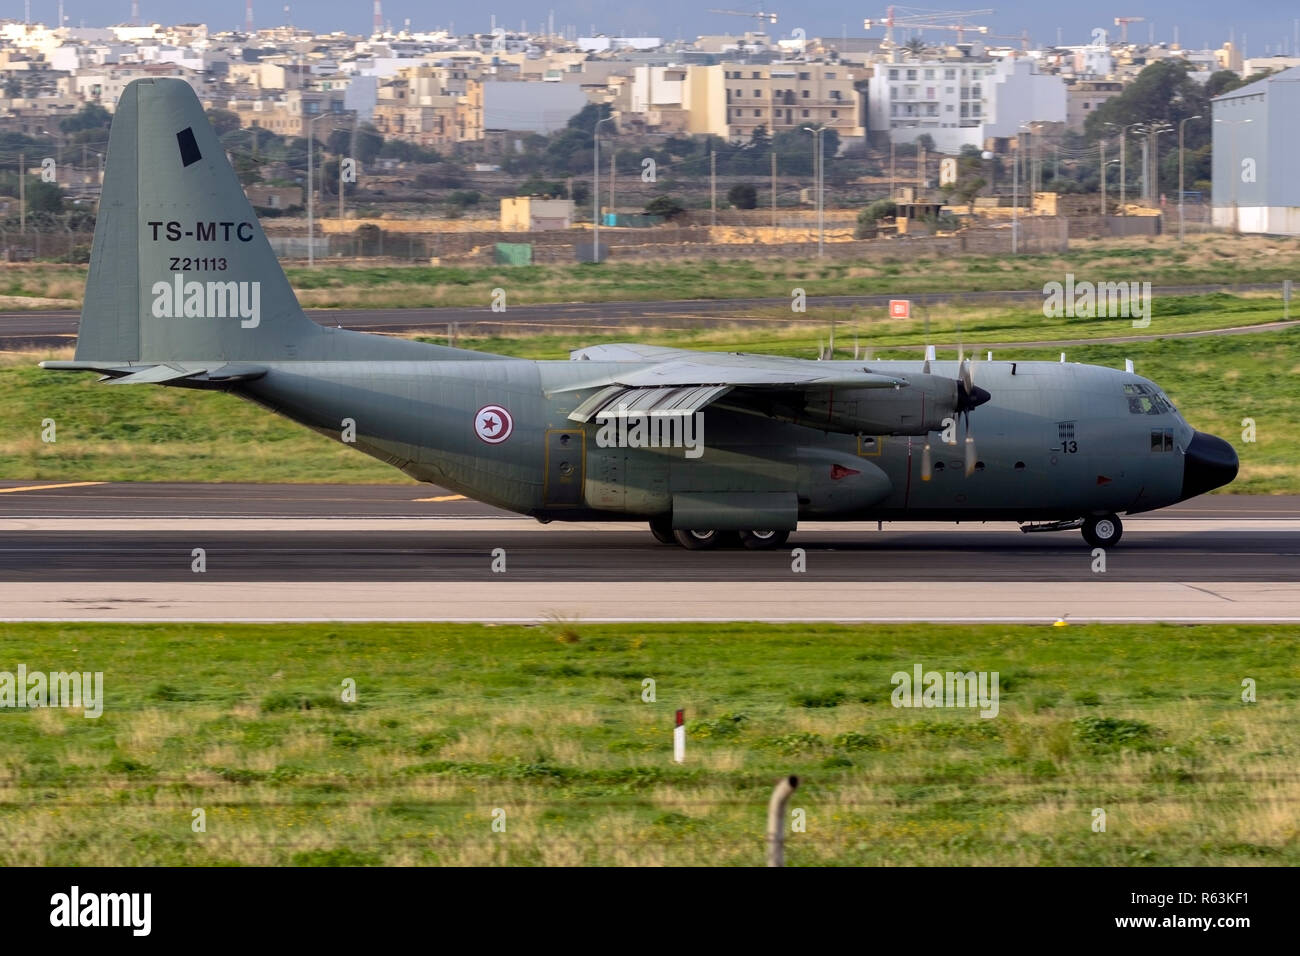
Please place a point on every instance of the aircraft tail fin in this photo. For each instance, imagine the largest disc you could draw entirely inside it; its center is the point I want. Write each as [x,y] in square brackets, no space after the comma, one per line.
[180,270]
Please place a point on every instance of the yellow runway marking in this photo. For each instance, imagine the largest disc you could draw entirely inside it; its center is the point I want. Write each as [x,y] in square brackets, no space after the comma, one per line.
[70,484]
[442,498]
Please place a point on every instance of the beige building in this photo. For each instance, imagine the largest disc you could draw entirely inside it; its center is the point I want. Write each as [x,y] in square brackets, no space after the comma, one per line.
[273,197]
[289,114]
[529,214]
[731,100]
[432,124]
[1083,97]
[785,96]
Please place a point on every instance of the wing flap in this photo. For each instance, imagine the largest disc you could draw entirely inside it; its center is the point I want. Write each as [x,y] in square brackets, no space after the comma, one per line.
[619,401]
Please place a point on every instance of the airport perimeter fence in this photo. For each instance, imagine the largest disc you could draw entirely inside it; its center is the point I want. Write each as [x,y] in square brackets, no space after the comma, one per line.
[1034,235]
[45,244]
[798,239]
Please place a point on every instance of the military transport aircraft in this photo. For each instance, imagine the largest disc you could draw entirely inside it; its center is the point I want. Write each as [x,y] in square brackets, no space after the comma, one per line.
[184,290]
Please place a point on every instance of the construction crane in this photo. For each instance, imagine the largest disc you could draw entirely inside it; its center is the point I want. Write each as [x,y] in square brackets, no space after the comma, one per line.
[1023,37]
[1123,22]
[760,16]
[919,18]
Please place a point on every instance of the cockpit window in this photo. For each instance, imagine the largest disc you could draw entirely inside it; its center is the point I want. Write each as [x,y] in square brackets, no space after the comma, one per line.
[1146,400]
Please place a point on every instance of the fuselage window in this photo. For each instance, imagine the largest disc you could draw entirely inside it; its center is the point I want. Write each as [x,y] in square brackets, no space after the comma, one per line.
[1162,439]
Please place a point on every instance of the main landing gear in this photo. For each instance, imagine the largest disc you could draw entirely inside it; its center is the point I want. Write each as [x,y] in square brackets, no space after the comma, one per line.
[707,539]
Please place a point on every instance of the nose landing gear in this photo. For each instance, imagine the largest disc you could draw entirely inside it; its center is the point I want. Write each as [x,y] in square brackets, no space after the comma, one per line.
[1102,531]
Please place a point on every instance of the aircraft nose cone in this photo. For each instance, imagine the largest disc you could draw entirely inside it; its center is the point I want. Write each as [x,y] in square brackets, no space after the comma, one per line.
[1209,463]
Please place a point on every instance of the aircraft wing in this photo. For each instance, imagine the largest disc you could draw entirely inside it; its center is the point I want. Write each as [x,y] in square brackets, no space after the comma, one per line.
[684,382]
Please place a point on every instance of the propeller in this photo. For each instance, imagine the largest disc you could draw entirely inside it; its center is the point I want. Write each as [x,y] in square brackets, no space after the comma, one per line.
[925,462]
[969,396]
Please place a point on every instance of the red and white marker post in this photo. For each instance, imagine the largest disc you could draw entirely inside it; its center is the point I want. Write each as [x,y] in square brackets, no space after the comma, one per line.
[679,738]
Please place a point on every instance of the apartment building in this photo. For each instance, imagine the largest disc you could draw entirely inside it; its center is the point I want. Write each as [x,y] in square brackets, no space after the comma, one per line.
[1083,98]
[791,95]
[288,115]
[959,102]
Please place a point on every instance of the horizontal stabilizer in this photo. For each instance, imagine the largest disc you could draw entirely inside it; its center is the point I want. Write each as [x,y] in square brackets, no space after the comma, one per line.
[152,375]
[163,374]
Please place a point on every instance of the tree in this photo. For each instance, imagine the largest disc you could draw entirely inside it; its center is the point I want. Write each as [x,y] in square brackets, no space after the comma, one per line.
[90,116]
[1163,92]
[794,150]
[44,197]
[665,206]
[967,189]
[407,152]
[926,142]
[569,152]
[586,118]
[915,47]
[743,196]
[223,121]
[369,143]
[536,186]
[880,209]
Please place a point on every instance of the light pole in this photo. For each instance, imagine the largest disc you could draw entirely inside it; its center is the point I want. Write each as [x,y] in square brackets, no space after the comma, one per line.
[311,204]
[1181,124]
[817,178]
[1233,172]
[1123,177]
[1102,169]
[1015,193]
[1151,164]
[595,190]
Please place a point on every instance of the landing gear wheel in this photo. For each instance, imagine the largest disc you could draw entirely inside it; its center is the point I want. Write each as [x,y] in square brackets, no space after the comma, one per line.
[662,529]
[1102,531]
[763,540]
[695,540]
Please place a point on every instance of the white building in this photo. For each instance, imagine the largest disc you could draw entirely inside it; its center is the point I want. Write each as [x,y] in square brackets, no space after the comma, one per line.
[961,102]
[1254,148]
[530,107]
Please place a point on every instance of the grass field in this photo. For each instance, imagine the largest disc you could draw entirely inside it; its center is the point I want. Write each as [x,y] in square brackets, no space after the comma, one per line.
[161,434]
[548,724]
[1161,260]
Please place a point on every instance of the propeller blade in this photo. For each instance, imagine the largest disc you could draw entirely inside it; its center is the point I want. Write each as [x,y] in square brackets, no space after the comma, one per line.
[970,452]
[925,463]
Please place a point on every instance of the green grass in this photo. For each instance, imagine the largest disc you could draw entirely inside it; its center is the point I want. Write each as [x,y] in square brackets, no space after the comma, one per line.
[1207,259]
[548,724]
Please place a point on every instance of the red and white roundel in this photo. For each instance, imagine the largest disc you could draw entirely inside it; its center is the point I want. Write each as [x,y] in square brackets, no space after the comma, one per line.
[493,424]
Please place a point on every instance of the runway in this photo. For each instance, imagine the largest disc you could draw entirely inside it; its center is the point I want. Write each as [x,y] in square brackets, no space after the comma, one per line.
[332,552]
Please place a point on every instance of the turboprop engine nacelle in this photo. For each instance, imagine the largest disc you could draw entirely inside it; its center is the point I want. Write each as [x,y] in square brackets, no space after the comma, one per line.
[918,408]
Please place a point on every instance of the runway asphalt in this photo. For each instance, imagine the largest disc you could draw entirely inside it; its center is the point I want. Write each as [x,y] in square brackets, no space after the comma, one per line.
[55,531]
